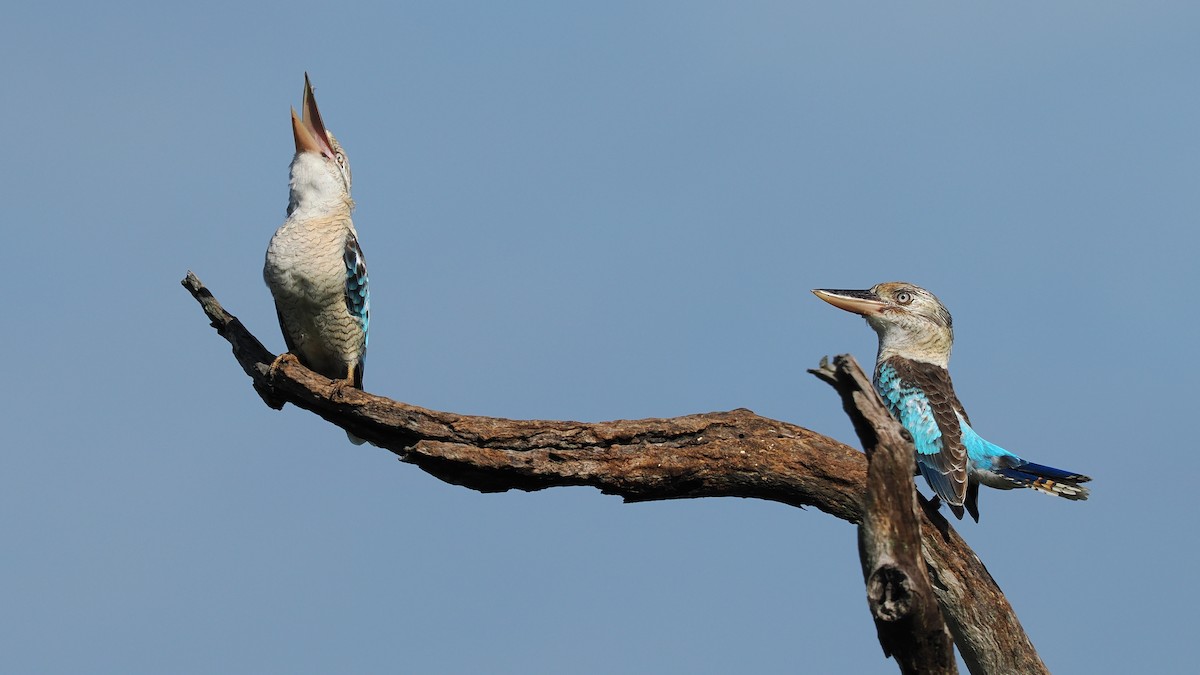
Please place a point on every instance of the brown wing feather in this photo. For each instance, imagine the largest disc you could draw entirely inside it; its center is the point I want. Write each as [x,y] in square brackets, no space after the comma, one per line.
[934,382]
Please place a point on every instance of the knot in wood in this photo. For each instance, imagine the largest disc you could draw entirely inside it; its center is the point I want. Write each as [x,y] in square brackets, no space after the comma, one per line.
[889,593]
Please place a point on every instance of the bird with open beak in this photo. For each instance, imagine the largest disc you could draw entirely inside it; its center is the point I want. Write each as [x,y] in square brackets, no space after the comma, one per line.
[314,266]
[916,334]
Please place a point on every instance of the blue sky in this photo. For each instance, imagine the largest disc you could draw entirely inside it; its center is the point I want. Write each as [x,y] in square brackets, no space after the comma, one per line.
[612,210]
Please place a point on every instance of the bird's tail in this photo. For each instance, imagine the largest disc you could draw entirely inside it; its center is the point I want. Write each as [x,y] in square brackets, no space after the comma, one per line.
[1048,479]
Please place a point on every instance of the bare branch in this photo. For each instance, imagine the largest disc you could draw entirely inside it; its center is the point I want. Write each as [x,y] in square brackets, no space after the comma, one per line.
[722,454]
[907,617]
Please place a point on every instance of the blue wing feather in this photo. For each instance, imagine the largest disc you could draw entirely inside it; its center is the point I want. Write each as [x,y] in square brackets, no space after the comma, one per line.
[358,298]
[952,457]
[358,294]
[910,405]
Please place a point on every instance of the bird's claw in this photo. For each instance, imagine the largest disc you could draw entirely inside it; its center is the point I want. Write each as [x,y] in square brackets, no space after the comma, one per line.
[339,388]
[286,357]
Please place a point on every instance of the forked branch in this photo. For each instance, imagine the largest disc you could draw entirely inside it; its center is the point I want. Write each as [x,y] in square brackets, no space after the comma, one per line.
[907,617]
[721,454]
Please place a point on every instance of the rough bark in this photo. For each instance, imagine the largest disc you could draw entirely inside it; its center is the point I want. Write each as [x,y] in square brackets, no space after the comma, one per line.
[721,454]
[907,618]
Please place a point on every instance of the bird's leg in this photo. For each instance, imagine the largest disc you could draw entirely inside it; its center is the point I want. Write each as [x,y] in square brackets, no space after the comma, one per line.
[286,357]
[341,385]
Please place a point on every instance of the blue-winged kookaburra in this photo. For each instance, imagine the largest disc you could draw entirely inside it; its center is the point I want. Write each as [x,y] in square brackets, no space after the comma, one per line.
[315,267]
[915,337]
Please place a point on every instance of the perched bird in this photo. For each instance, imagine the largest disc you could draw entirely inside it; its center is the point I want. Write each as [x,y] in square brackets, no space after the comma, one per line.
[315,267]
[915,338]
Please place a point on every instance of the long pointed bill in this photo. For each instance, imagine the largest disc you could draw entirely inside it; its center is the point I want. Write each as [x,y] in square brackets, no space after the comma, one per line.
[865,303]
[308,109]
[306,139]
[308,128]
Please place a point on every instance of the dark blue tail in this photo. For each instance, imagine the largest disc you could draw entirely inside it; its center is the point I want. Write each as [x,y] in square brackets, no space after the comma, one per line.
[1053,473]
[1048,479]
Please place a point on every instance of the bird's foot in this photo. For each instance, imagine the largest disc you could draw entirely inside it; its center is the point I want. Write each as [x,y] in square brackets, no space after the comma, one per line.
[286,357]
[340,387]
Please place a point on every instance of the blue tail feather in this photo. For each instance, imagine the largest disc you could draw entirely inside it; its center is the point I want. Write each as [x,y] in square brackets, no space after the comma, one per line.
[1052,473]
[1047,479]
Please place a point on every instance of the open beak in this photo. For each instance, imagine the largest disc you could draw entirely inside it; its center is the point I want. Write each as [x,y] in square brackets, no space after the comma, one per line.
[865,303]
[308,128]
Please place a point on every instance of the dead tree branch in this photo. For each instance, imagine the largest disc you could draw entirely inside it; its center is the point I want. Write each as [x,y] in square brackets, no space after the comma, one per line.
[907,617]
[722,454]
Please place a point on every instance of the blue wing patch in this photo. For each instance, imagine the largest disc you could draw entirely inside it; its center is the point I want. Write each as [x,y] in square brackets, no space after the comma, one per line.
[910,406]
[941,458]
[953,458]
[358,295]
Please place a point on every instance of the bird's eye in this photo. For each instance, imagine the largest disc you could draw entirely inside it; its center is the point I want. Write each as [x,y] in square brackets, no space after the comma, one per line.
[341,159]
[904,297]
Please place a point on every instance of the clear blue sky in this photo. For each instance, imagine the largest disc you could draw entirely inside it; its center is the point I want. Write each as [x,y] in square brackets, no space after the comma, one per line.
[585,212]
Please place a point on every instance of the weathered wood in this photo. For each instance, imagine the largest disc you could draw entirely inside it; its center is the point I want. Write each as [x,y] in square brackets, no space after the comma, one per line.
[907,618]
[721,454]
